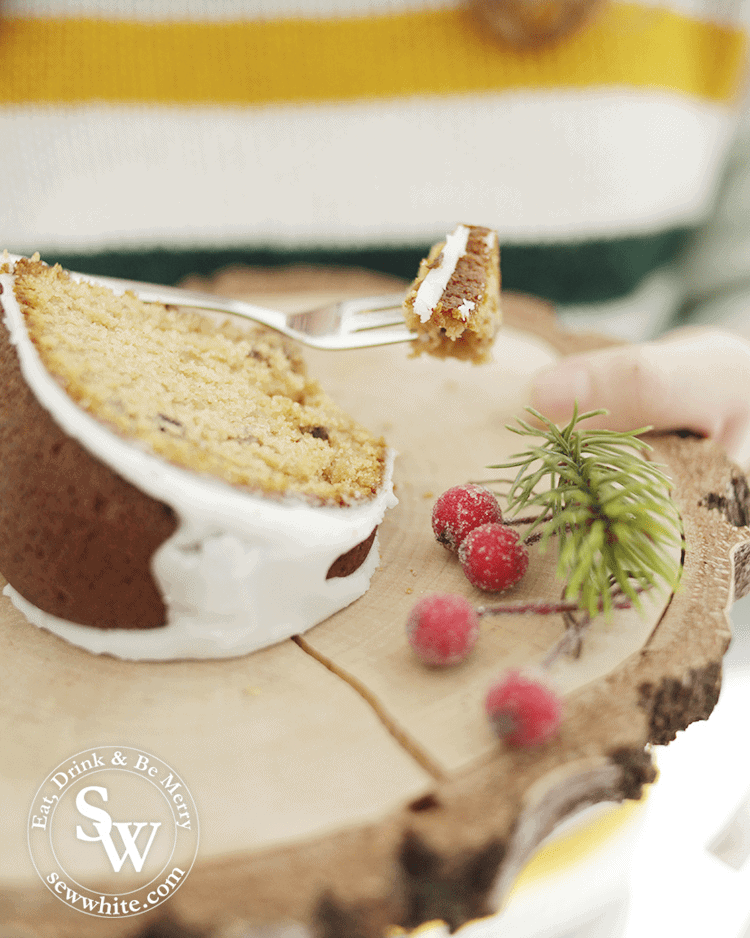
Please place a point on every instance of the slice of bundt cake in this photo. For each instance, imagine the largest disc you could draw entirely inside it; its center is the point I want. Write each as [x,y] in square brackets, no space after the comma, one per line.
[172,485]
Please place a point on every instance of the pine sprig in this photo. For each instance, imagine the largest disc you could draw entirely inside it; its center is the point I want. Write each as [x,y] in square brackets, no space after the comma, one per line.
[607,507]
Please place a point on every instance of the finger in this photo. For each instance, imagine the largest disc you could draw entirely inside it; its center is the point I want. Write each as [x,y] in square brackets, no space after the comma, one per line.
[698,381]
[621,381]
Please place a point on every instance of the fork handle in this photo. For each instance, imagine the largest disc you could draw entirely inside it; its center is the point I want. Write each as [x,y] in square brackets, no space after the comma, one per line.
[155,293]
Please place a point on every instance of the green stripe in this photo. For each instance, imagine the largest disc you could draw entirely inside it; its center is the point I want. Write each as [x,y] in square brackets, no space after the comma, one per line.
[567,274]
[591,271]
[167,266]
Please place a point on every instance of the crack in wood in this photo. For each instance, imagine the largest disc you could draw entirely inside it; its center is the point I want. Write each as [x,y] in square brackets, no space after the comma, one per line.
[668,603]
[391,727]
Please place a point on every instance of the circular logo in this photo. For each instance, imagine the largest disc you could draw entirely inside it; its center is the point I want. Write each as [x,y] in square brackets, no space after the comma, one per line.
[113,831]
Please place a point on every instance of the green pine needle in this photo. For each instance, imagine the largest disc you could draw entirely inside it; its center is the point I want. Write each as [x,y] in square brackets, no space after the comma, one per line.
[609,509]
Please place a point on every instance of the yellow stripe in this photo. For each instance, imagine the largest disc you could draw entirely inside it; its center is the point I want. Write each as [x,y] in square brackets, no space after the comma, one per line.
[70,61]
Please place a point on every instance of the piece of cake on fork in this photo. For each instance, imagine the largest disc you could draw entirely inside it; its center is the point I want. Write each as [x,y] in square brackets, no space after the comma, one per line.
[454,303]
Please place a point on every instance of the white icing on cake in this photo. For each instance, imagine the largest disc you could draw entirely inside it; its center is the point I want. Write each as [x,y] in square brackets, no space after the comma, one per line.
[466,309]
[240,572]
[432,287]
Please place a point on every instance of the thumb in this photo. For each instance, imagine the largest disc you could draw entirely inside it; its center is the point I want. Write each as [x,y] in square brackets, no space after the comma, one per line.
[697,380]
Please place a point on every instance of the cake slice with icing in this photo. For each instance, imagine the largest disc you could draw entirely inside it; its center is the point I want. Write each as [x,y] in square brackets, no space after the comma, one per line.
[454,303]
[172,486]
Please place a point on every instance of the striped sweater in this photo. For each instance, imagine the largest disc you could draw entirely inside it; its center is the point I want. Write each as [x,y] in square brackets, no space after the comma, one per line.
[160,137]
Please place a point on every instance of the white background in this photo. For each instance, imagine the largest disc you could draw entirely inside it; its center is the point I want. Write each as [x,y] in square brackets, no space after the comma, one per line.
[680,888]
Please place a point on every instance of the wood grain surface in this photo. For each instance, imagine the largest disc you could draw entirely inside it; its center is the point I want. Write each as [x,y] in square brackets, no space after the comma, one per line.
[332,770]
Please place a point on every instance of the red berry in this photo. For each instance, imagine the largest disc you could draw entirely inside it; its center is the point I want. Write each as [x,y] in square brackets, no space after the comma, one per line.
[524,710]
[442,628]
[493,557]
[461,509]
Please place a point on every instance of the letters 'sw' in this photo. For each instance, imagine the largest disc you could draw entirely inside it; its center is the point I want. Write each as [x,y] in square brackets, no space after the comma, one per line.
[103,823]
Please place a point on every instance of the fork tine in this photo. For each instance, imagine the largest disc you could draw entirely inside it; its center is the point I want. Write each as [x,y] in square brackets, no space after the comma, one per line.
[371,338]
[368,304]
[376,320]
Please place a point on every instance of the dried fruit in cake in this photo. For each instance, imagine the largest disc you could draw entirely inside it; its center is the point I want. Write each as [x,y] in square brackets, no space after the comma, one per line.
[453,305]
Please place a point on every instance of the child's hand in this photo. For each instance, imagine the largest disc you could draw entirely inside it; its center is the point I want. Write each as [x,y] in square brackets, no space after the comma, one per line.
[696,379]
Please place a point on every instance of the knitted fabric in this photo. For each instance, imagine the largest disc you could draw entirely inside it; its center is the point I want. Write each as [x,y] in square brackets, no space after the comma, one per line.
[160,137]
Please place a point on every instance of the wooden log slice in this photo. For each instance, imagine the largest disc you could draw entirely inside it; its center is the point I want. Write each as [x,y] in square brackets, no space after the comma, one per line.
[339,783]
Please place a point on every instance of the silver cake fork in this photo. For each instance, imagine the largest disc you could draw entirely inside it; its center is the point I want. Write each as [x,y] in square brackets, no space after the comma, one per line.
[349,324]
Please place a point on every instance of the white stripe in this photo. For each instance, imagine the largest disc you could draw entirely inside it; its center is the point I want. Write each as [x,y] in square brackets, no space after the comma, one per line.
[535,167]
[718,11]
[715,11]
[211,10]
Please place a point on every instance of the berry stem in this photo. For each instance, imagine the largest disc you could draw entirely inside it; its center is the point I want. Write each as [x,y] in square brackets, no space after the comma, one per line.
[551,608]
[571,642]
[529,519]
